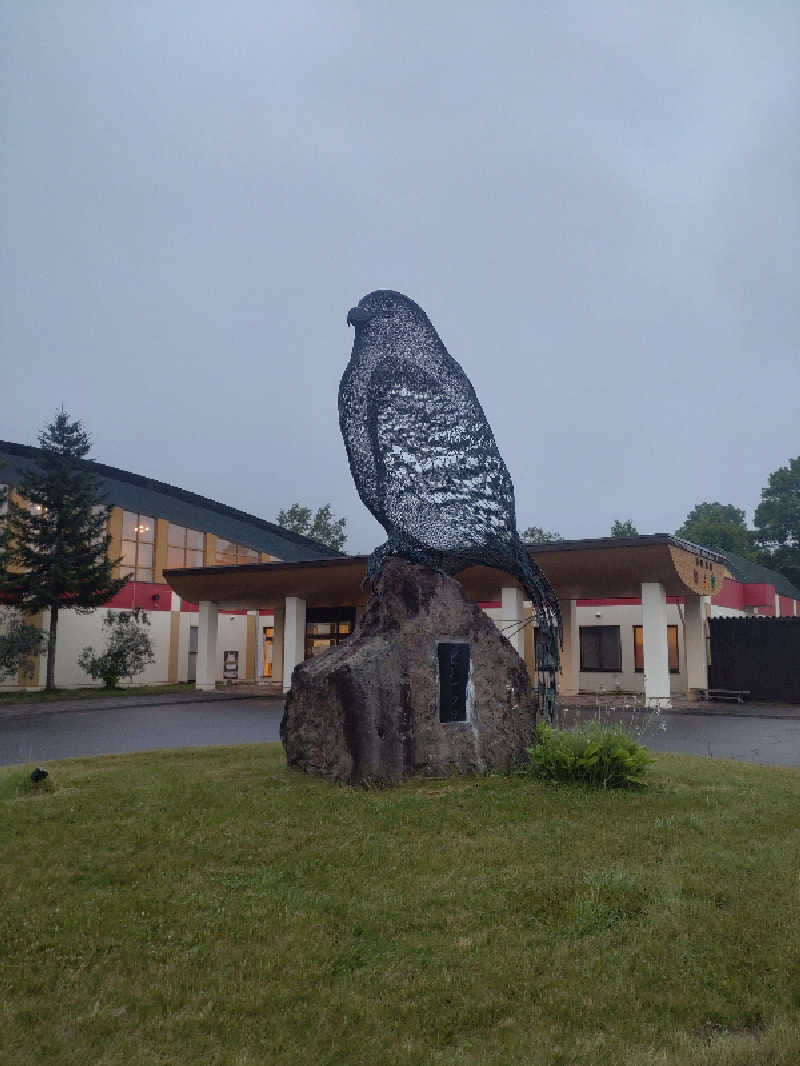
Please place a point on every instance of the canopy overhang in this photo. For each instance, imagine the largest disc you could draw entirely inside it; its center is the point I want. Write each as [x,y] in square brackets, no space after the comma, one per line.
[610,567]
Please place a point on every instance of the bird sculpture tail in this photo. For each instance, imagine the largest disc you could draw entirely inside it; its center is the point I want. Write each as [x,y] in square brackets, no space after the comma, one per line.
[549,629]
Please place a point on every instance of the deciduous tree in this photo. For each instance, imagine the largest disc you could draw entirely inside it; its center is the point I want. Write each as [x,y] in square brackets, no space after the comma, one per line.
[321,526]
[717,525]
[58,537]
[777,520]
[127,652]
[623,529]
[18,642]
[537,535]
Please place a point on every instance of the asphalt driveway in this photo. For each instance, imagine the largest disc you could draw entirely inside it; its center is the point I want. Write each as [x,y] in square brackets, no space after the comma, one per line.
[36,736]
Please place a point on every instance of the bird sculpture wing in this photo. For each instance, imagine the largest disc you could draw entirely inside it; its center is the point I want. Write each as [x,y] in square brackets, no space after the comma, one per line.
[438,475]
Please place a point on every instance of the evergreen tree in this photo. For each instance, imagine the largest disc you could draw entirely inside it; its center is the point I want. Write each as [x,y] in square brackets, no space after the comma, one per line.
[4,534]
[59,539]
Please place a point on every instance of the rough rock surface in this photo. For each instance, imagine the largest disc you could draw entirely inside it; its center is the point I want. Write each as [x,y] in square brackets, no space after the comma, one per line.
[369,709]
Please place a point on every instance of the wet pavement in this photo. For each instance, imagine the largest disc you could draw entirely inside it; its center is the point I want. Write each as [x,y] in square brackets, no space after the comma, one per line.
[27,737]
[759,733]
[775,741]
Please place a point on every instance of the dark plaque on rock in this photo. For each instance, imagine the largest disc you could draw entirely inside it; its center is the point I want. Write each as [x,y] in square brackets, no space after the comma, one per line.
[453,676]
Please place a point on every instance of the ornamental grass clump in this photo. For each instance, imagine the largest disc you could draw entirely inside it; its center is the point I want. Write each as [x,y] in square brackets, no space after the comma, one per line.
[597,755]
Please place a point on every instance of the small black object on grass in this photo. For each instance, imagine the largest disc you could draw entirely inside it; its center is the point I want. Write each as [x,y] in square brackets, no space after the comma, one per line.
[39,774]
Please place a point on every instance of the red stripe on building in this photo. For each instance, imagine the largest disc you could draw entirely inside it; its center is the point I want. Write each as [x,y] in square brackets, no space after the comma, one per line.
[145,594]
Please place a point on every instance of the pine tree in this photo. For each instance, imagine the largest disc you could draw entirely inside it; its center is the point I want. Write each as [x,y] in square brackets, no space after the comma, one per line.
[4,534]
[59,539]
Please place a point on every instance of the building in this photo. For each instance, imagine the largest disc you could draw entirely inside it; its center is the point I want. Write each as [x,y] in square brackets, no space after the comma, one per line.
[233,597]
[754,590]
[635,610]
[154,526]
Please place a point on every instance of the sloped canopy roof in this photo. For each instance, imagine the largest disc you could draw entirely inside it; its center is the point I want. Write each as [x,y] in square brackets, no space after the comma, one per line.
[578,569]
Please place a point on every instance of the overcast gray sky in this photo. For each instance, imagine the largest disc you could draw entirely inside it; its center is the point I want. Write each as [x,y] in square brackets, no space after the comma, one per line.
[596,203]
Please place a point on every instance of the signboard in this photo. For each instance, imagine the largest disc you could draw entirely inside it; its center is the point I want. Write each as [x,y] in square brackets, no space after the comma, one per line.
[230,665]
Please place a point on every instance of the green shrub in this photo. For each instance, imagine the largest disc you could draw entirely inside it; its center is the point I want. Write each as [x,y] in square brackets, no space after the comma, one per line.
[128,651]
[597,755]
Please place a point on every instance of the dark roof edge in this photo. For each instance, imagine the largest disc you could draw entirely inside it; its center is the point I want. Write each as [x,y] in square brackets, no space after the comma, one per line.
[549,546]
[27,451]
[281,564]
[641,541]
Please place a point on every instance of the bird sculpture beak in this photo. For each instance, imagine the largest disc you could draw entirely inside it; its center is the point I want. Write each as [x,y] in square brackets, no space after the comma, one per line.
[357,316]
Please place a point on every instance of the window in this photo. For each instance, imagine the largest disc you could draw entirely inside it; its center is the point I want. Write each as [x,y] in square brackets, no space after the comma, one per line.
[600,649]
[184,547]
[327,628]
[138,534]
[673,653]
[231,554]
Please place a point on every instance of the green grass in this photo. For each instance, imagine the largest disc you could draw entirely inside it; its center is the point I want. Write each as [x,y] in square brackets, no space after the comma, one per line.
[94,693]
[210,906]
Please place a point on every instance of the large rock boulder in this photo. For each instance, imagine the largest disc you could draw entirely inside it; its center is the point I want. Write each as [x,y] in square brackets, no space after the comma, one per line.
[372,709]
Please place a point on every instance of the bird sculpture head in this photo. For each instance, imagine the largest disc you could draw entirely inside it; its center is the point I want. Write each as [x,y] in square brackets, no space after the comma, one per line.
[391,325]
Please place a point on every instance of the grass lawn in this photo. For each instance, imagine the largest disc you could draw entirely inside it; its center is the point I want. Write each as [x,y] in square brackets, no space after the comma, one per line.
[94,693]
[210,906]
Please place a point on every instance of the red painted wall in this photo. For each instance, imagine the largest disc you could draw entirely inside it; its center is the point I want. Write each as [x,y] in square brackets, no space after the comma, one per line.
[730,595]
[140,594]
[760,596]
[787,606]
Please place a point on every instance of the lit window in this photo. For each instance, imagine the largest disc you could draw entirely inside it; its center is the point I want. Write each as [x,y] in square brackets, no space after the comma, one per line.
[232,554]
[327,628]
[673,654]
[184,547]
[138,535]
[600,649]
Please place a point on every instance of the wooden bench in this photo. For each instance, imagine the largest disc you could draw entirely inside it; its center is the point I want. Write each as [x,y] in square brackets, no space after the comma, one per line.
[733,694]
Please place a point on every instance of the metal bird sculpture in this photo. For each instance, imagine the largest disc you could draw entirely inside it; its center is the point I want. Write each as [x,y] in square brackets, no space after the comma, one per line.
[425,462]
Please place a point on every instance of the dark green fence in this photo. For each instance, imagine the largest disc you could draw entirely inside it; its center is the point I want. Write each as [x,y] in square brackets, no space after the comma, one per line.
[759,655]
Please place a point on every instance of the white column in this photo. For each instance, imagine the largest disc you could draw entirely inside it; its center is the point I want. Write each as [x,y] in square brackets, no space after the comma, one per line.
[513,616]
[207,647]
[654,639]
[569,674]
[294,637]
[694,640]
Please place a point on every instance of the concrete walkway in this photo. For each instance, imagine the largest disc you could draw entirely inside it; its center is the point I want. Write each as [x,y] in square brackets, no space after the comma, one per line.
[585,706]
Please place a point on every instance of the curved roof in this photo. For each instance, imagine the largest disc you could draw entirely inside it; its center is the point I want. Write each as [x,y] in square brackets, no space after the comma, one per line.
[134,492]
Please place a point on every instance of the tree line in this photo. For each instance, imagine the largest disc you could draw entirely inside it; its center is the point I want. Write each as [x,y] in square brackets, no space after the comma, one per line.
[774,540]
